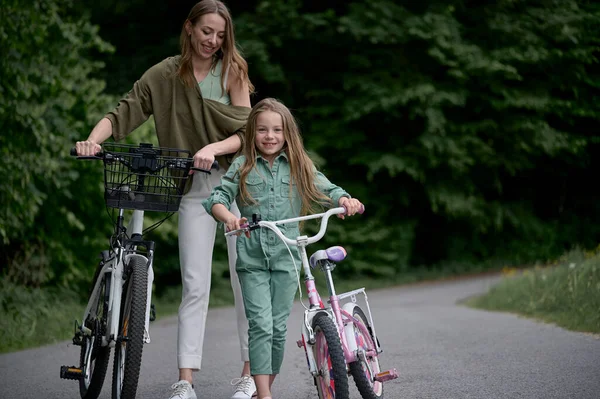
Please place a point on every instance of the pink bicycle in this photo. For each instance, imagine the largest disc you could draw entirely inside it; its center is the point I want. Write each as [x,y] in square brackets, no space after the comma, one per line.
[338,339]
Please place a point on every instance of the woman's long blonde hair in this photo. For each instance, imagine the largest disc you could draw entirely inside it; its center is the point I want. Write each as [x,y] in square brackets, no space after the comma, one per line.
[228,53]
[302,168]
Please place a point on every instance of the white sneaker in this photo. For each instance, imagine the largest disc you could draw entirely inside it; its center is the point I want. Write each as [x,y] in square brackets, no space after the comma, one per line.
[183,390]
[244,387]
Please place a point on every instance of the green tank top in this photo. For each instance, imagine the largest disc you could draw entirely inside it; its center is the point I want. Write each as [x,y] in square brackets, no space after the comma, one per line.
[210,86]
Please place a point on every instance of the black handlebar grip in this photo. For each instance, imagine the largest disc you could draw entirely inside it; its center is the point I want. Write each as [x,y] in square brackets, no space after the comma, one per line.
[73,153]
[215,166]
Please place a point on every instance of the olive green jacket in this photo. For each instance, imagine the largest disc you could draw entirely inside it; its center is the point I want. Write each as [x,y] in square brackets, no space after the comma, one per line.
[183,118]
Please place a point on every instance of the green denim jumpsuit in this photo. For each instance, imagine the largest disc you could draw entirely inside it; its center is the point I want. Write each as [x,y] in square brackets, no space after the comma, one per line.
[264,265]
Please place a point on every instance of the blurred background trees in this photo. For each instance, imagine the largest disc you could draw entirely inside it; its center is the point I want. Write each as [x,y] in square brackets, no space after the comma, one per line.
[469,129]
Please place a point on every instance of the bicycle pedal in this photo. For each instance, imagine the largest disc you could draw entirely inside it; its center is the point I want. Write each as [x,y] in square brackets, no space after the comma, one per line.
[71,373]
[386,375]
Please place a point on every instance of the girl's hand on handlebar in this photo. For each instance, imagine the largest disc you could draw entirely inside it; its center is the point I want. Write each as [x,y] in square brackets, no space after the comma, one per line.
[87,148]
[352,206]
[236,224]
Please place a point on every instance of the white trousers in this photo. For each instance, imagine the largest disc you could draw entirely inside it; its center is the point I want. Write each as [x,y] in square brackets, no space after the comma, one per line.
[197,231]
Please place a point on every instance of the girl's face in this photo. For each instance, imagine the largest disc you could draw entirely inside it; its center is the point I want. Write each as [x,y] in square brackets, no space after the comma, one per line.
[207,34]
[269,138]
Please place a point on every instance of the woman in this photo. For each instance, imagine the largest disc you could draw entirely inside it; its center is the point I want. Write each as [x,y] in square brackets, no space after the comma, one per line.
[200,101]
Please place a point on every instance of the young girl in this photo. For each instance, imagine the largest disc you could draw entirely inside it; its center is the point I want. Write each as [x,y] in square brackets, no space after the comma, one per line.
[274,177]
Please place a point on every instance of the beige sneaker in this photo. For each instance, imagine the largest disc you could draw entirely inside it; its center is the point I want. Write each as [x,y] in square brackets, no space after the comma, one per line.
[244,387]
[183,390]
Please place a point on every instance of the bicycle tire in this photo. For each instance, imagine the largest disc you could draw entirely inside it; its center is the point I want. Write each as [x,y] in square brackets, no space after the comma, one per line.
[368,388]
[331,363]
[90,385]
[130,342]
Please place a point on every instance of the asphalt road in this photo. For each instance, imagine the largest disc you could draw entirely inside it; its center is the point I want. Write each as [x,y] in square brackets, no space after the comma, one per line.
[441,350]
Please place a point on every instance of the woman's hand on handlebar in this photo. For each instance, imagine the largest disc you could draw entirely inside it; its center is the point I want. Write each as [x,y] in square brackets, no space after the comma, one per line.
[352,206]
[204,159]
[87,148]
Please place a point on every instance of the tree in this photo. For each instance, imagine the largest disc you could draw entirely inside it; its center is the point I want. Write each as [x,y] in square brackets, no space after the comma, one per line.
[465,118]
[47,102]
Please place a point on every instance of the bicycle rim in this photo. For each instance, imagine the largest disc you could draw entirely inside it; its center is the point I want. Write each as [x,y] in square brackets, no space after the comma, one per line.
[93,357]
[130,342]
[332,378]
[364,372]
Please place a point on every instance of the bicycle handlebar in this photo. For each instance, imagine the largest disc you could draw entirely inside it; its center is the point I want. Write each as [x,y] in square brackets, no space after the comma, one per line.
[273,225]
[101,156]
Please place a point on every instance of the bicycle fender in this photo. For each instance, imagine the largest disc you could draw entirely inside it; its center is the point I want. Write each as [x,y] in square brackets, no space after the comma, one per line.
[349,327]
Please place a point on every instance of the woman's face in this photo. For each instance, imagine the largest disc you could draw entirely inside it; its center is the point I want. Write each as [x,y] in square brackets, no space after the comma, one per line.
[269,134]
[207,34]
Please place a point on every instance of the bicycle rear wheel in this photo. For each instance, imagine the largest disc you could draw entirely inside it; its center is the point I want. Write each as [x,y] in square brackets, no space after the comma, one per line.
[130,342]
[363,371]
[93,357]
[332,381]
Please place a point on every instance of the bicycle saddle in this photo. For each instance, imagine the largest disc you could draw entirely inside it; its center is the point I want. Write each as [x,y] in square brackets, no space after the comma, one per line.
[334,254]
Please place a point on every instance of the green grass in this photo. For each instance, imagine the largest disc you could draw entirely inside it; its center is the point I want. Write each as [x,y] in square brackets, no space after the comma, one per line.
[566,293]
[34,317]
[37,317]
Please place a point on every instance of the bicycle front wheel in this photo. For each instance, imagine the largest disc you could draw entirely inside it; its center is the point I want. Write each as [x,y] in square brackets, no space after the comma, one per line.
[93,356]
[364,371]
[130,342]
[332,378]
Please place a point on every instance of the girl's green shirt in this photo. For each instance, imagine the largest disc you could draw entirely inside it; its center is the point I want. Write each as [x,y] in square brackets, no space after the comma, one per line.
[275,200]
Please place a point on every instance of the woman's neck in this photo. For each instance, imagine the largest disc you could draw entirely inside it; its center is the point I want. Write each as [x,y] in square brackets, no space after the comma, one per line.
[201,67]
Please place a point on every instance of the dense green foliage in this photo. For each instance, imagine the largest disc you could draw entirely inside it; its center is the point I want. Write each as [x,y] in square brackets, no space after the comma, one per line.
[47,99]
[469,129]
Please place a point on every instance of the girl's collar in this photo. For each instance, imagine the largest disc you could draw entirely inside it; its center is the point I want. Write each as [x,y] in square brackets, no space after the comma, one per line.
[281,154]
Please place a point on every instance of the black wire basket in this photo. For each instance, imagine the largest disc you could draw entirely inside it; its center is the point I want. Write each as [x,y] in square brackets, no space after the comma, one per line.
[144,177]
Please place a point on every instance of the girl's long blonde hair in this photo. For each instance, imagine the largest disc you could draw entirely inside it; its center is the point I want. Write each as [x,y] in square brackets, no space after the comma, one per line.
[302,168]
[228,53]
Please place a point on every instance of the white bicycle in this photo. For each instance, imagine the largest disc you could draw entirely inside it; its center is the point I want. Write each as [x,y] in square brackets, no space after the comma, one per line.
[118,312]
